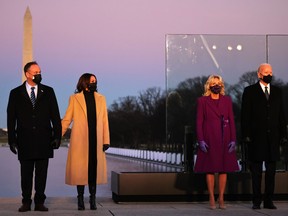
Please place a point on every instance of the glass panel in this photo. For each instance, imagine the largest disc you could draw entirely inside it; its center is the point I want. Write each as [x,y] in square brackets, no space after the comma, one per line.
[189,56]
[190,59]
[277,57]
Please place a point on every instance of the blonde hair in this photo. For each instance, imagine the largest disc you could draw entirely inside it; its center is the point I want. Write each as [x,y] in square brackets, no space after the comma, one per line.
[210,79]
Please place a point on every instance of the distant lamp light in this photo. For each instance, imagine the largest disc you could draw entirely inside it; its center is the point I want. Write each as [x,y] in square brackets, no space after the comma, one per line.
[229,48]
[214,47]
[239,47]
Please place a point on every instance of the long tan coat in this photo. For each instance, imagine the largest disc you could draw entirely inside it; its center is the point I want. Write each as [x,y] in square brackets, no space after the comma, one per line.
[77,160]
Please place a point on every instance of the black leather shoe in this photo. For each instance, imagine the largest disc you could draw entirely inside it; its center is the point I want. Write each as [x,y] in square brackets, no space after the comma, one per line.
[256,207]
[40,207]
[269,206]
[25,208]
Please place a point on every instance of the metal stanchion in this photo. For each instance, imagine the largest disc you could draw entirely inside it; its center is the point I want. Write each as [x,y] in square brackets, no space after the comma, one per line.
[188,150]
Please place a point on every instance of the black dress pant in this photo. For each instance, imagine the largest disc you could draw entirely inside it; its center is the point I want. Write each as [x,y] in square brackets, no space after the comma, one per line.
[27,170]
[256,171]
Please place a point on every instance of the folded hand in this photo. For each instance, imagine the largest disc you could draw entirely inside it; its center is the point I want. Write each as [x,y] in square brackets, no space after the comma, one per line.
[105,147]
[231,146]
[203,146]
[55,143]
[283,142]
[13,148]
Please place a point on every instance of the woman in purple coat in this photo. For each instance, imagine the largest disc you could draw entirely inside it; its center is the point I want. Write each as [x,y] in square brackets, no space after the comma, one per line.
[216,137]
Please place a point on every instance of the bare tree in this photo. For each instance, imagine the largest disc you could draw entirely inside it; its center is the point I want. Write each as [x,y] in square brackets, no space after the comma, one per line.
[149,99]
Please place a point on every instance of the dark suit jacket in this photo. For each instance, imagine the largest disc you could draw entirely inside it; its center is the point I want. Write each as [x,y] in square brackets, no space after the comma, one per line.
[263,121]
[33,129]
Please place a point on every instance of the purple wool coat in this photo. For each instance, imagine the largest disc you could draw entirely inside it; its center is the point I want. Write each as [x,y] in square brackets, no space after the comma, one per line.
[215,125]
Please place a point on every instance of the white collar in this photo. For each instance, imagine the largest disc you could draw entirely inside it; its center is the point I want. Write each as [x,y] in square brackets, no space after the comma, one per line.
[263,87]
[28,88]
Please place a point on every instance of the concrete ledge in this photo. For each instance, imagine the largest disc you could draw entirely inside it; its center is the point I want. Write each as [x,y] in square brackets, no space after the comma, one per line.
[150,186]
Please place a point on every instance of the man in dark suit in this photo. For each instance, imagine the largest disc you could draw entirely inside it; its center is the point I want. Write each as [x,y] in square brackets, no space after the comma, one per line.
[34,130]
[263,130]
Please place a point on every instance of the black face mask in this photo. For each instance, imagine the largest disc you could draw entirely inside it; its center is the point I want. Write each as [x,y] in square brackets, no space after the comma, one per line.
[267,79]
[216,89]
[92,87]
[37,78]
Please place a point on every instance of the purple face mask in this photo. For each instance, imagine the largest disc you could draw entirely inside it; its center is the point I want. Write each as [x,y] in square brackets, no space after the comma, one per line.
[215,89]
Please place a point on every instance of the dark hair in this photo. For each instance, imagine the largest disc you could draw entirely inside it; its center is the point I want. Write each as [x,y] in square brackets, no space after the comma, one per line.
[28,65]
[83,82]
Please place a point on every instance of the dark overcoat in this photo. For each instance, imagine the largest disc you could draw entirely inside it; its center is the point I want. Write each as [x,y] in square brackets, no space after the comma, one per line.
[263,121]
[215,125]
[33,129]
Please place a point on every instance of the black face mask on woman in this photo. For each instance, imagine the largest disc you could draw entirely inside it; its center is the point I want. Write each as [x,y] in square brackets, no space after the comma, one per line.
[216,89]
[92,87]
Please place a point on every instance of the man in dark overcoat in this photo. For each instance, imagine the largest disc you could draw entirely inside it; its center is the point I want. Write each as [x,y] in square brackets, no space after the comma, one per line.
[263,128]
[34,130]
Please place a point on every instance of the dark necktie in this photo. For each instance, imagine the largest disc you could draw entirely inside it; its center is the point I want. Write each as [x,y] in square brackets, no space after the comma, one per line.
[266,92]
[32,97]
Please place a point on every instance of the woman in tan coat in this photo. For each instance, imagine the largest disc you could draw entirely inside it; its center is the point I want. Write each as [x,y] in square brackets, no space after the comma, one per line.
[86,161]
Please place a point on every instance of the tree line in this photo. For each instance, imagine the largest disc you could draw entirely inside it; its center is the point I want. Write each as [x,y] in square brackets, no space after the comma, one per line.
[156,119]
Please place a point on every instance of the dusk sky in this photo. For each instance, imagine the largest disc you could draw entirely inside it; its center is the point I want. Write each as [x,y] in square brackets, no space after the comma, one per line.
[121,41]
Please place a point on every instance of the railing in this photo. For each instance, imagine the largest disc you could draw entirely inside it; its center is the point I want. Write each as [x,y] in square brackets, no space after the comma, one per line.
[155,156]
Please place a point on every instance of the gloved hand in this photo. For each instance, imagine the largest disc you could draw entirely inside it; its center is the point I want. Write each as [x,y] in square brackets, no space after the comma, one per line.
[283,142]
[231,146]
[55,143]
[247,140]
[13,148]
[105,147]
[203,146]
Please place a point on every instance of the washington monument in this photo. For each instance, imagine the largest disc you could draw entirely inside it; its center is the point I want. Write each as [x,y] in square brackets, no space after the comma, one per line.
[27,41]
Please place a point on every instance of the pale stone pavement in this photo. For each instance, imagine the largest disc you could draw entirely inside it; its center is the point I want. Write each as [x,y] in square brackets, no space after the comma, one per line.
[62,200]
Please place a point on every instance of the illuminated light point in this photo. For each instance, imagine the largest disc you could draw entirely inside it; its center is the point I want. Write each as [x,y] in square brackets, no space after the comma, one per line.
[239,47]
